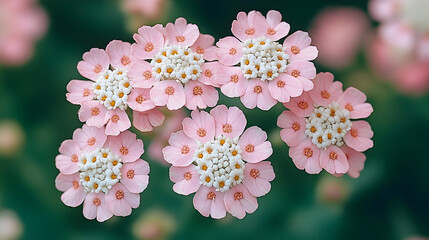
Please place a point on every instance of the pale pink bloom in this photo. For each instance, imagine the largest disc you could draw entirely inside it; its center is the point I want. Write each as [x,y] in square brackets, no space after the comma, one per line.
[338,33]
[146,121]
[413,77]
[230,189]
[120,80]
[168,81]
[261,82]
[173,123]
[102,171]
[22,24]
[149,9]
[319,131]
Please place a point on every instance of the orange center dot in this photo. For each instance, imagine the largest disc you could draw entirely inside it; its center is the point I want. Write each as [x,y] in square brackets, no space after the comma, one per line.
[95,111]
[333,155]
[96,202]
[308,152]
[91,141]
[227,128]
[139,99]
[254,173]
[74,158]
[169,90]
[125,60]
[234,78]
[180,38]
[281,84]
[232,51]
[200,50]
[123,150]
[97,68]
[130,174]
[325,94]
[188,176]
[238,196]
[295,50]
[208,73]
[185,150]
[257,89]
[271,31]
[197,90]
[86,92]
[75,184]
[295,73]
[148,47]
[211,196]
[250,31]
[354,132]
[119,195]
[201,132]
[147,75]
[115,118]
[303,105]
[349,107]
[250,148]
[296,126]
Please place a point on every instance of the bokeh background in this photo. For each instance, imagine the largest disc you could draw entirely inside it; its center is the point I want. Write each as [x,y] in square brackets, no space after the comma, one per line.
[388,201]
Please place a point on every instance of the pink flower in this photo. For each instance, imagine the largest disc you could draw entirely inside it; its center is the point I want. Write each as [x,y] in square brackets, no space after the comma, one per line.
[189,83]
[284,71]
[104,100]
[319,131]
[102,171]
[399,51]
[149,9]
[224,166]
[338,33]
[22,24]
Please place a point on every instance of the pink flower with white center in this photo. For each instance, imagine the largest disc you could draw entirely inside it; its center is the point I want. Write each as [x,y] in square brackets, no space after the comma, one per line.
[400,50]
[22,23]
[119,81]
[319,131]
[102,172]
[258,69]
[180,75]
[213,158]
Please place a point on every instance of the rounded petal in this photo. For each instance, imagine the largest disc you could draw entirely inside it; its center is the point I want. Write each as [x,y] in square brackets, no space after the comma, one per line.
[168,93]
[120,201]
[200,127]
[126,146]
[293,131]
[229,122]
[210,202]
[334,160]
[145,121]
[79,91]
[254,145]
[306,156]
[135,176]
[238,201]
[229,51]
[94,62]
[181,150]
[359,136]
[148,42]
[257,177]
[186,179]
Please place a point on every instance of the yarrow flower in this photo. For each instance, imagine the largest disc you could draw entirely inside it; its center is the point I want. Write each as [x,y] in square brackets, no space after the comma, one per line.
[319,130]
[117,83]
[178,73]
[104,172]
[224,166]
[260,70]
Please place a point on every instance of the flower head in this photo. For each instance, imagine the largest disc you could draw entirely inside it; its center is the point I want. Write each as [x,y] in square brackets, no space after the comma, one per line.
[117,83]
[104,172]
[180,75]
[213,157]
[320,132]
[258,69]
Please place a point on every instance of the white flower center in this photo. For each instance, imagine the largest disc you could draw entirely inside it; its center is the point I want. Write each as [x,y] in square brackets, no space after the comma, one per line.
[263,59]
[415,13]
[99,170]
[219,163]
[177,63]
[328,125]
[112,89]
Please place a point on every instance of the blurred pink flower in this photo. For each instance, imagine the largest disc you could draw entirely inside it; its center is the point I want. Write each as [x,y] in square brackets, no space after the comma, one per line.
[401,44]
[176,85]
[338,33]
[22,22]
[102,172]
[105,99]
[173,123]
[230,172]
[150,9]
[318,128]
[284,72]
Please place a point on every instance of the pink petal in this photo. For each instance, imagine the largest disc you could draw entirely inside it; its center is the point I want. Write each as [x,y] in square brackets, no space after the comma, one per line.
[293,131]
[200,127]
[276,28]
[94,62]
[148,42]
[168,92]
[139,100]
[118,122]
[140,75]
[258,94]
[334,160]
[229,122]
[200,96]
[325,89]
[126,146]
[93,113]
[74,193]
[209,72]
[356,161]
[303,71]
[254,145]
[64,182]
[238,201]
[181,150]
[354,101]
[300,42]
[210,202]
[67,161]
[359,136]
[229,51]
[120,201]
[95,207]
[120,54]
[302,106]
[232,81]
[284,87]
[89,138]
[186,179]
[306,156]
[135,176]
[145,121]
[257,178]
[204,45]
[79,91]
[248,26]
[181,33]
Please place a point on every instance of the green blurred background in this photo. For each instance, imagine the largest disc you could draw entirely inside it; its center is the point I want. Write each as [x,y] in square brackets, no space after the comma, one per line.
[388,201]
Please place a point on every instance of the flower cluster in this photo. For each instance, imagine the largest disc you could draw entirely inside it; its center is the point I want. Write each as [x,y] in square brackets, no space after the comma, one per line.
[401,49]
[319,130]
[268,71]
[104,172]
[213,157]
